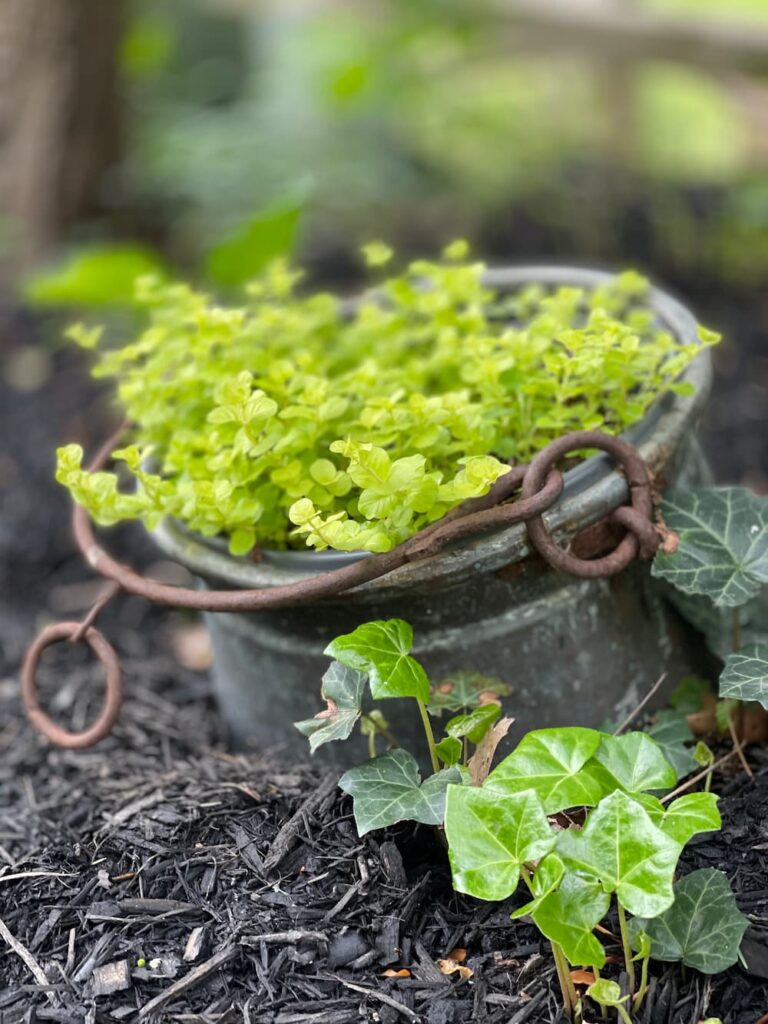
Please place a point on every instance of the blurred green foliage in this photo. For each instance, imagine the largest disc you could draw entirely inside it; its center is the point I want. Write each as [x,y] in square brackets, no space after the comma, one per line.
[421,121]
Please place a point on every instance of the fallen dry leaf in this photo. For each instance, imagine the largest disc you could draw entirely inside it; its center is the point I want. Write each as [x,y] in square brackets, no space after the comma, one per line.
[582,978]
[459,954]
[479,764]
[452,967]
[392,973]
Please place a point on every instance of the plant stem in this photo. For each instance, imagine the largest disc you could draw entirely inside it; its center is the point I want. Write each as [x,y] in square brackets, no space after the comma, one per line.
[638,1001]
[429,734]
[382,730]
[623,1014]
[627,946]
[563,976]
[371,744]
[603,1007]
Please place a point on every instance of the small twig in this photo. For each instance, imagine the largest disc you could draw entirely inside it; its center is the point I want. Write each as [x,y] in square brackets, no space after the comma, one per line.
[633,714]
[34,967]
[698,777]
[196,975]
[738,747]
[382,998]
[290,938]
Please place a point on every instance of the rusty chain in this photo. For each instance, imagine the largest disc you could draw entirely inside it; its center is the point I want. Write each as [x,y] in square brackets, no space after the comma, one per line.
[540,485]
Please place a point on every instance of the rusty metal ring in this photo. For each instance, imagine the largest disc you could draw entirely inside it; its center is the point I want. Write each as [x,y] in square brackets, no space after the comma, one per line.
[113,690]
[641,504]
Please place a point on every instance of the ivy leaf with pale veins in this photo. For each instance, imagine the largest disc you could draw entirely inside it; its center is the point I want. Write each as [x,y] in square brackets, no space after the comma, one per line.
[465,690]
[342,689]
[382,650]
[622,848]
[568,917]
[723,549]
[745,675]
[703,928]
[636,762]
[685,817]
[388,789]
[553,763]
[489,839]
[672,732]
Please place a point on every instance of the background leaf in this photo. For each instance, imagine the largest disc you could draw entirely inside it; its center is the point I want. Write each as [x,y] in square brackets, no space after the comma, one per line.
[723,551]
[622,848]
[489,839]
[672,733]
[703,928]
[552,763]
[98,276]
[342,688]
[388,789]
[465,690]
[266,236]
[382,649]
[745,675]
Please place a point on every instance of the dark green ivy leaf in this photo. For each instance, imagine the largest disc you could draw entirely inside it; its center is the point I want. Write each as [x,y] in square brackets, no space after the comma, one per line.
[342,690]
[703,928]
[723,550]
[745,675]
[388,789]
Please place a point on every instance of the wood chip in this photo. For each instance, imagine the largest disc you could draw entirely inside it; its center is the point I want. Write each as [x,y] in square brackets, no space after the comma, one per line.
[114,977]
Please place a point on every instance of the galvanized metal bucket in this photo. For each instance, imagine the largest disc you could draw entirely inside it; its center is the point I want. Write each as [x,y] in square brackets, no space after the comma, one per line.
[573,651]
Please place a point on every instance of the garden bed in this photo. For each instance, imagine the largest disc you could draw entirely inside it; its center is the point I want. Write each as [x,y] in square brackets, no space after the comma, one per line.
[244,888]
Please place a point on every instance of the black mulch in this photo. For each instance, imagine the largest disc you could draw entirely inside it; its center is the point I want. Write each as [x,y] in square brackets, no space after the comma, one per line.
[246,894]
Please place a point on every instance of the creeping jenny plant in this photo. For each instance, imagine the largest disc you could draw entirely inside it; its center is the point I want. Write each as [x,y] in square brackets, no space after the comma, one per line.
[577,815]
[299,419]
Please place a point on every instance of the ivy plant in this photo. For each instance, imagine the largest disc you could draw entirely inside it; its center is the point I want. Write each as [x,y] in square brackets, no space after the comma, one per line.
[298,419]
[577,815]
[375,661]
[721,559]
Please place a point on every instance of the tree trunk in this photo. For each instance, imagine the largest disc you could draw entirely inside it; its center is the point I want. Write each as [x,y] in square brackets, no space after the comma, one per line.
[60,124]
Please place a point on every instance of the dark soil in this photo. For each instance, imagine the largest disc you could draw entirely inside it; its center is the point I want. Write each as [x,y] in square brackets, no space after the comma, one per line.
[245,889]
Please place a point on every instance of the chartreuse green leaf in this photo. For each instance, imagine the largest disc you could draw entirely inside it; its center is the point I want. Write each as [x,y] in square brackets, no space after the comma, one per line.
[745,675]
[382,650]
[464,691]
[723,550]
[636,762]
[388,789]
[97,276]
[684,817]
[342,689]
[553,763]
[490,839]
[546,878]
[568,917]
[606,992]
[622,848]
[703,928]
[672,733]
